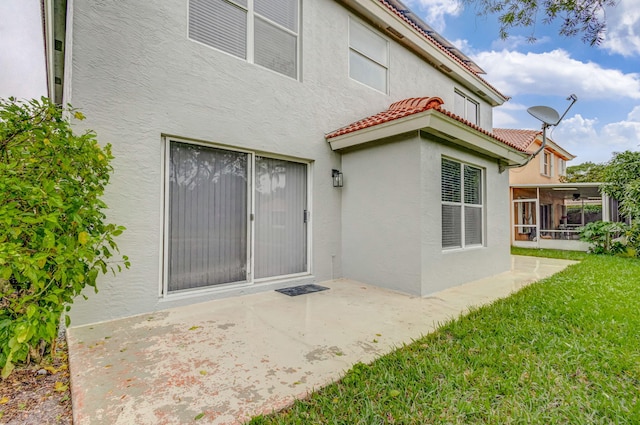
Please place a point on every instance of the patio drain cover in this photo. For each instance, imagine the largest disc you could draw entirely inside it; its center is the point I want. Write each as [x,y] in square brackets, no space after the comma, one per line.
[301,290]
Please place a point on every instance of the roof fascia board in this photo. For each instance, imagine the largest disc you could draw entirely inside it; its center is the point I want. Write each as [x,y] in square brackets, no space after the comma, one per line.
[380,131]
[555,147]
[552,185]
[378,14]
[454,131]
[438,125]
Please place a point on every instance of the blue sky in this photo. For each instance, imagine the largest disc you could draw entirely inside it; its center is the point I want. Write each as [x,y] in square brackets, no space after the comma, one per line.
[606,78]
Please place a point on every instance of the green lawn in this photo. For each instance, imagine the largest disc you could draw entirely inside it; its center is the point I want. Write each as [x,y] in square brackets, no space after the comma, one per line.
[550,253]
[563,351]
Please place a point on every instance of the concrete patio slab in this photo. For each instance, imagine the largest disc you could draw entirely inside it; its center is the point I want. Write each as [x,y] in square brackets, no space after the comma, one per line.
[228,360]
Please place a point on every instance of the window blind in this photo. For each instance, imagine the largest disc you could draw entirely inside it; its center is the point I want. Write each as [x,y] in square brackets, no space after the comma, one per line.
[280,221]
[224,25]
[462,205]
[207,217]
[282,12]
[275,48]
[219,24]
[368,56]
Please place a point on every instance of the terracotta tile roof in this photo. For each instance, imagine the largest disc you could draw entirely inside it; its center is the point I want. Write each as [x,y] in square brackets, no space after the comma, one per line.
[397,110]
[413,106]
[520,138]
[438,45]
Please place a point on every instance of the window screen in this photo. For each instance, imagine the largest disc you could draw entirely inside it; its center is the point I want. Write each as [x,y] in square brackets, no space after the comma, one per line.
[462,205]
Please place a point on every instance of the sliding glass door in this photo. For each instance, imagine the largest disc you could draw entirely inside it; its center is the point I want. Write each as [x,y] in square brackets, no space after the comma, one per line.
[208,209]
[209,217]
[281,217]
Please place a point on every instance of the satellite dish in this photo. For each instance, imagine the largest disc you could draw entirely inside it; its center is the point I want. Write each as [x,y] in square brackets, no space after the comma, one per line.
[547,115]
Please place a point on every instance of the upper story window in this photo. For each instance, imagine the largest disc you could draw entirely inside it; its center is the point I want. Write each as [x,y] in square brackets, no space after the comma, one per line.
[462,205]
[562,167]
[368,56]
[466,107]
[264,32]
[546,164]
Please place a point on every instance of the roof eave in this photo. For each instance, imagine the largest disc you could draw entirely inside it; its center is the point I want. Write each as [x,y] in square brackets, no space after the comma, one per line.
[439,125]
[556,148]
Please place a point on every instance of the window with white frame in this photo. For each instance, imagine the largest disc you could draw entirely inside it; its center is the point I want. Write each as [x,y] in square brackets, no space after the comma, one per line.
[232,217]
[368,56]
[546,164]
[562,167]
[462,205]
[264,32]
[466,107]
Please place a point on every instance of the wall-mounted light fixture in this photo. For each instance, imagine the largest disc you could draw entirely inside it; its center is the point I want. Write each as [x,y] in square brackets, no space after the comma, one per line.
[337,178]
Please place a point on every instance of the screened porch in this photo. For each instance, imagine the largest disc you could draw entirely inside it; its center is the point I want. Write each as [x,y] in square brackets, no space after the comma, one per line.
[549,216]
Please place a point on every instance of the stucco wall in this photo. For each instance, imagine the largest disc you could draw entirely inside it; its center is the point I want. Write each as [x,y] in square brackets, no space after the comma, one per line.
[381,214]
[136,76]
[392,217]
[443,269]
[530,173]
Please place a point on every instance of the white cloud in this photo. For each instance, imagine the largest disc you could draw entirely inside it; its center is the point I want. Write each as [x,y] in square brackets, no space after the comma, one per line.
[463,45]
[623,29]
[502,117]
[554,72]
[634,115]
[433,12]
[582,137]
[511,106]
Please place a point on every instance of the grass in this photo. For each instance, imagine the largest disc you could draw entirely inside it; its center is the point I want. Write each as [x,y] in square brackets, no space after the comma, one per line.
[550,253]
[563,351]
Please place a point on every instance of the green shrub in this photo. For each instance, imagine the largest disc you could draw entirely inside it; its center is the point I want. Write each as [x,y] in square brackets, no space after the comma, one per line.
[588,208]
[633,238]
[54,240]
[604,237]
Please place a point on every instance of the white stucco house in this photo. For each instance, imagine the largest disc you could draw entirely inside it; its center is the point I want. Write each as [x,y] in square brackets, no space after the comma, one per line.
[229,120]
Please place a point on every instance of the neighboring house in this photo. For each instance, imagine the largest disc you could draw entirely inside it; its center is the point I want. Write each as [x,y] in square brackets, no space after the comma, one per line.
[546,212]
[229,120]
[549,166]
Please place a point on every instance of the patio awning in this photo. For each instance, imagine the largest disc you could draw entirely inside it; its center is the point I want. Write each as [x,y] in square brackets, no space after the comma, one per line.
[585,190]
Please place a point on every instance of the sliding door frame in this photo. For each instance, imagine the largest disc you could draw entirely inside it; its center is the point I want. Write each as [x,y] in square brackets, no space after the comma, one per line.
[251,202]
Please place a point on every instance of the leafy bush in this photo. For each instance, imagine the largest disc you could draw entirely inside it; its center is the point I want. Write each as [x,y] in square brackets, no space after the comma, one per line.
[622,182]
[633,238]
[588,208]
[604,237]
[53,237]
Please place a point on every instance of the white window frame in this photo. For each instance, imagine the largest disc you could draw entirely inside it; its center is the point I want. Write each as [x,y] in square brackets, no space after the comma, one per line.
[465,113]
[463,205]
[546,163]
[354,51]
[250,48]
[562,167]
[164,292]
